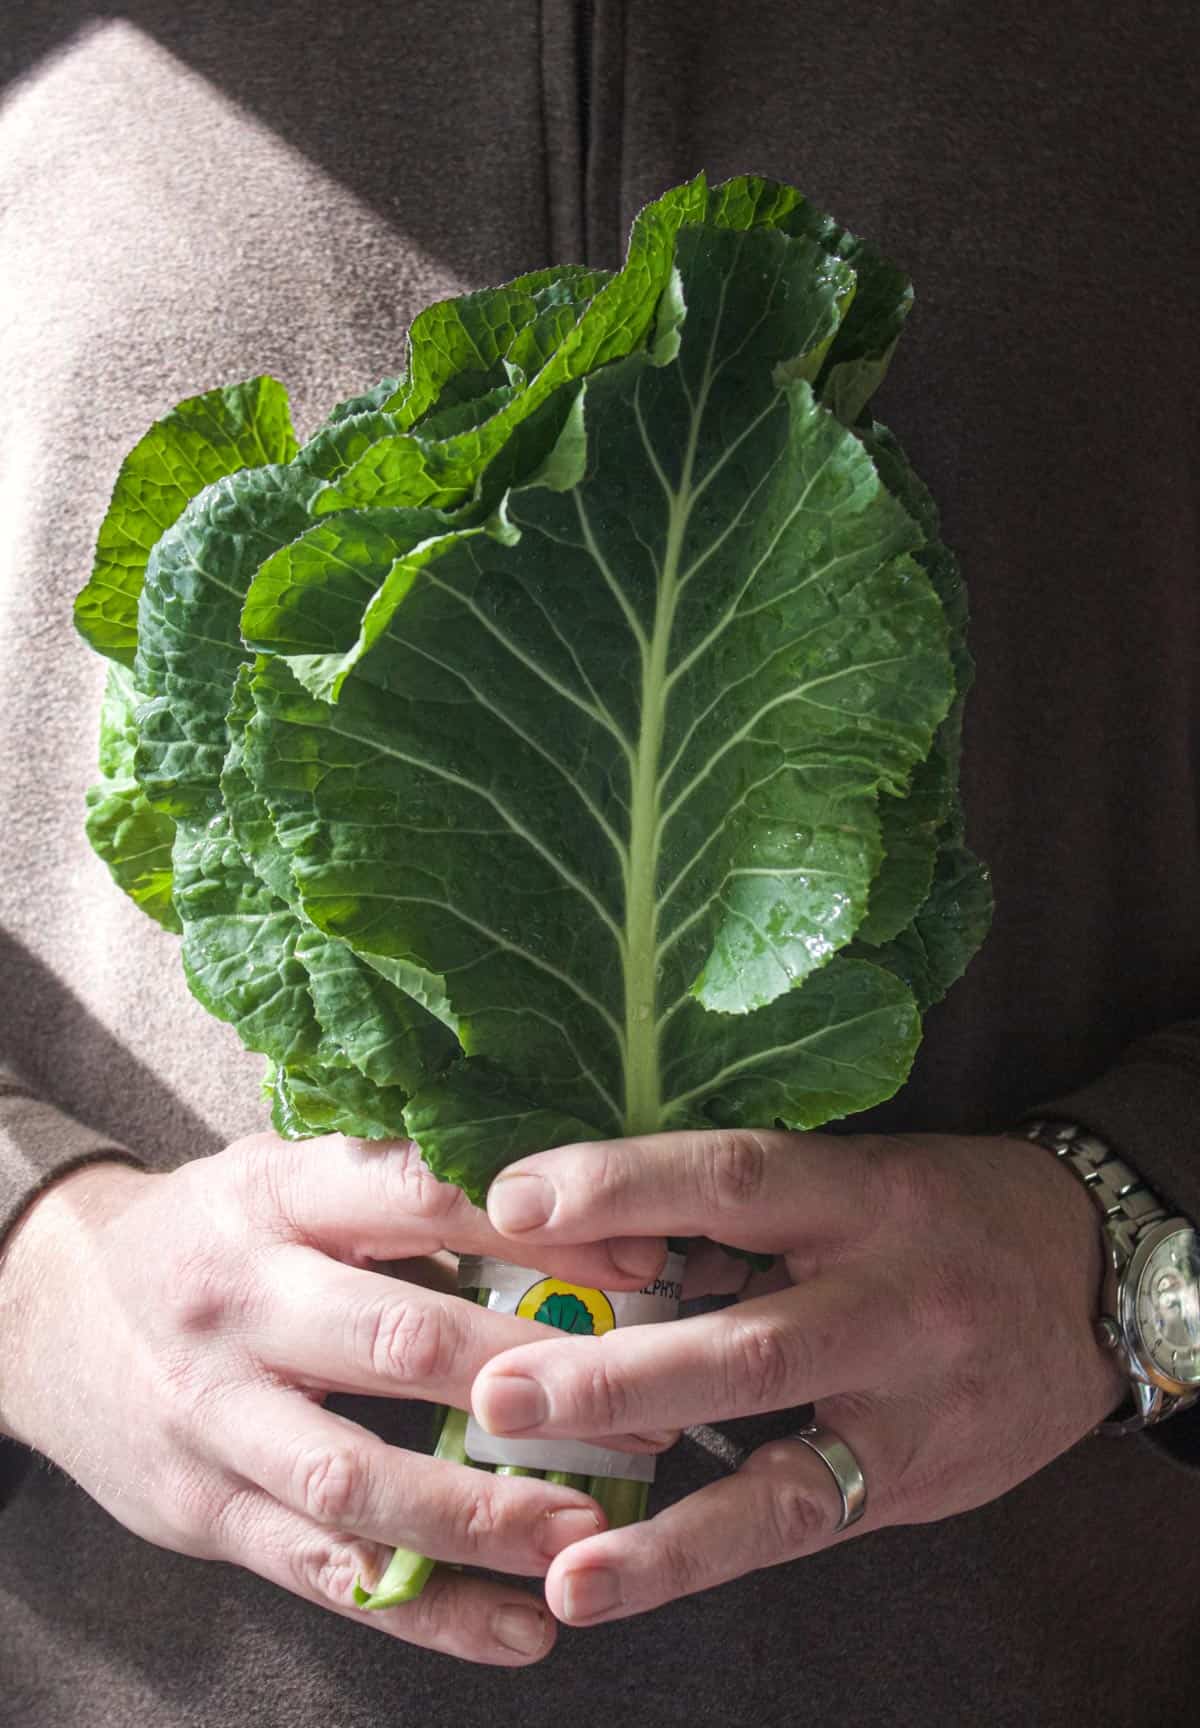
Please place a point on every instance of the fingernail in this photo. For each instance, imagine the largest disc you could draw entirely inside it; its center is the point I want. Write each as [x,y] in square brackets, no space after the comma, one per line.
[590,1591]
[519,1628]
[509,1403]
[559,1529]
[517,1203]
[637,1256]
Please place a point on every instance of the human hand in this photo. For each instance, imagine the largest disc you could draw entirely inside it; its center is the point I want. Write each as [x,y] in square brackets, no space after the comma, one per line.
[167,1340]
[937,1306]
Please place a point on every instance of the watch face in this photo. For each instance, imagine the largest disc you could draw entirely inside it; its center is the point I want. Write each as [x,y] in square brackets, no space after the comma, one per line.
[1168,1306]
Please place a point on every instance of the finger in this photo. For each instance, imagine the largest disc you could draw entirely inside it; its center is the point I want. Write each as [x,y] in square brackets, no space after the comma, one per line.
[710,1270]
[473,1618]
[781,1505]
[378,1200]
[320,1324]
[832,1334]
[751,1188]
[338,1477]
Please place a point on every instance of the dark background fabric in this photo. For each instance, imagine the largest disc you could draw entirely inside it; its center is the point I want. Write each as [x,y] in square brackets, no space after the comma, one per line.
[194,193]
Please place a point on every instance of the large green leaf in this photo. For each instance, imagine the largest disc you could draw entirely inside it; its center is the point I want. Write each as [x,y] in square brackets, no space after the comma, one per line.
[204,438]
[660,695]
[407,469]
[565,741]
[239,946]
[247,954]
[934,950]
[134,840]
[189,647]
[473,1120]
[316,1100]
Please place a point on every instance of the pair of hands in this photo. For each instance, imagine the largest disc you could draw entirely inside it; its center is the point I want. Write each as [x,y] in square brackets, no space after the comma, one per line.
[170,1341]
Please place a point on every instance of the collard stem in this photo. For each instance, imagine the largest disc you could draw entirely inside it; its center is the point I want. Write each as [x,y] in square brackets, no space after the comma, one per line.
[622,1502]
[407,1571]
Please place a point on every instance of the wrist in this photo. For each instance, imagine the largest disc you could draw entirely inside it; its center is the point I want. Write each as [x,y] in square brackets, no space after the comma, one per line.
[1150,1303]
[1091,1377]
[40,1260]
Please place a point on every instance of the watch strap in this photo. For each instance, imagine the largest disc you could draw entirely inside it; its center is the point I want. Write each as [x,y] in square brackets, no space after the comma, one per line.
[1128,1208]
[1122,1199]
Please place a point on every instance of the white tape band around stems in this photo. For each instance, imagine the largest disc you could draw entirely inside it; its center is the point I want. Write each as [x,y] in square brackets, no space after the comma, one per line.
[584,1312]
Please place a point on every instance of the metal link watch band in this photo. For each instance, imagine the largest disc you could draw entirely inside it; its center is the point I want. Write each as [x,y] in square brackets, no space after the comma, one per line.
[1117,1192]
[1128,1209]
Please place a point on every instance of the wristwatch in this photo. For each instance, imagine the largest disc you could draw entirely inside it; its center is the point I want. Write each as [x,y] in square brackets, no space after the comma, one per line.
[1150,1304]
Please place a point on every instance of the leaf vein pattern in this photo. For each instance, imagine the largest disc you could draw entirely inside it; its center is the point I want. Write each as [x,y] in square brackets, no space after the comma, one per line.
[500,943]
[599,715]
[584,1071]
[732,612]
[618,593]
[798,1044]
[800,694]
[601,707]
[338,724]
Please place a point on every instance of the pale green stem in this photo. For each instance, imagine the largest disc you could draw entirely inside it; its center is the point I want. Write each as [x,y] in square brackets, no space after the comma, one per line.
[407,1571]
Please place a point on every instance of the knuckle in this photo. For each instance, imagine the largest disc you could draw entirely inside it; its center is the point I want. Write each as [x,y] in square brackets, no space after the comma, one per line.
[406,1341]
[761,1364]
[602,1400]
[332,1485]
[731,1168]
[608,1171]
[207,1512]
[409,1187]
[480,1522]
[682,1569]
[258,1168]
[327,1570]
[798,1522]
[204,1290]
[437,1612]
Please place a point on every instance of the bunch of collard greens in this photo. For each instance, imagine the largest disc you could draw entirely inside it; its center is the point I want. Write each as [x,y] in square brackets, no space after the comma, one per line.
[563,742]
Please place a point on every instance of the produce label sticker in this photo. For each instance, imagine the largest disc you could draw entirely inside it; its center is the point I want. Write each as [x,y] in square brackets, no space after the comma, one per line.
[578,1309]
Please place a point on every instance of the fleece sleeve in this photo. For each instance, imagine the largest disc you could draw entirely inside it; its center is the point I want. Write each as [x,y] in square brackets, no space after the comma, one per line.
[38,1144]
[1147,1108]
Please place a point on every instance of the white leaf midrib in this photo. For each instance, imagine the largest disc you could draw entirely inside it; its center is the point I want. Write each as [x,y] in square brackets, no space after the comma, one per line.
[643,1076]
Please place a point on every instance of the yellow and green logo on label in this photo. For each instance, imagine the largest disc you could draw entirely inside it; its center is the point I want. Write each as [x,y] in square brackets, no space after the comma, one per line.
[570,1307]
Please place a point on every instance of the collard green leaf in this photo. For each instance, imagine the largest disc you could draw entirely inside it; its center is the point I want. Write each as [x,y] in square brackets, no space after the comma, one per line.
[862,349]
[239,945]
[933,952]
[386,1034]
[811,1057]
[189,646]
[248,956]
[248,812]
[472,1121]
[365,402]
[564,742]
[133,840]
[661,694]
[470,336]
[409,470]
[316,1100]
[239,426]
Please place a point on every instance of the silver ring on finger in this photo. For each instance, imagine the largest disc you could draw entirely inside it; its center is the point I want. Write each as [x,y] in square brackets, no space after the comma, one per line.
[842,1465]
